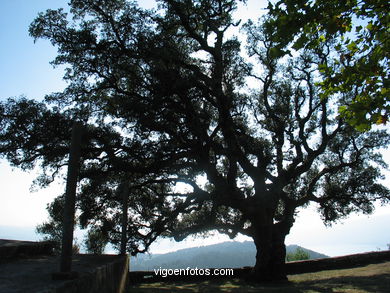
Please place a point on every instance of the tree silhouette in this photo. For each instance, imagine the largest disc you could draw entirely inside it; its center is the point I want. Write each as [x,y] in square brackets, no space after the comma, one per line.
[52,229]
[170,97]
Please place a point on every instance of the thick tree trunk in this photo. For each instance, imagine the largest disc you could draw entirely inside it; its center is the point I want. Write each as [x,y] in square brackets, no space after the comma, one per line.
[271,254]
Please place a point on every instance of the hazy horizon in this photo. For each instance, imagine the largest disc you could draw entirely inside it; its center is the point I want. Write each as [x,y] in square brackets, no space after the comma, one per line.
[342,239]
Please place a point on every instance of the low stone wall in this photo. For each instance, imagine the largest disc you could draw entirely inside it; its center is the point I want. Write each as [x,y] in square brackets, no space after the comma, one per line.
[11,249]
[108,278]
[335,263]
[28,266]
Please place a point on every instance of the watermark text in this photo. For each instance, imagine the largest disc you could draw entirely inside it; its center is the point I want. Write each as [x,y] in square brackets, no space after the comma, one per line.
[193,272]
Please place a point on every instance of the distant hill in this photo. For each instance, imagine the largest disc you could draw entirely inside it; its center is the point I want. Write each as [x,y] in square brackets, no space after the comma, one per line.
[223,255]
[19,233]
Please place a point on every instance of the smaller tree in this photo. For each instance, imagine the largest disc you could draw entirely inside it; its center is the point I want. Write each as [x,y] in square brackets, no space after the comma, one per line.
[51,230]
[298,254]
[95,241]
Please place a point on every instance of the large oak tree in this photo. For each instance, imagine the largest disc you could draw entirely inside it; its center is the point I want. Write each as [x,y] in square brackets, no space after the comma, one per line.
[172,96]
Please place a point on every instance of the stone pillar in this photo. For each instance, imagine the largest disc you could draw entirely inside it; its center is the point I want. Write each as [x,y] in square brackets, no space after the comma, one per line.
[125,206]
[70,199]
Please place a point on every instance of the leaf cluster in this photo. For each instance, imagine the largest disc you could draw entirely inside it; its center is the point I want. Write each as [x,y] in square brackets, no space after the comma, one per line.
[359,31]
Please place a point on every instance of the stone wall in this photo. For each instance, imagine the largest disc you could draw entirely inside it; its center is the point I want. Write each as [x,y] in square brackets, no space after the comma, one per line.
[108,278]
[335,263]
[31,267]
[11,249]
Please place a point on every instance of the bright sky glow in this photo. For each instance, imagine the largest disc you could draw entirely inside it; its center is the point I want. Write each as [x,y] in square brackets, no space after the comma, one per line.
[25,70]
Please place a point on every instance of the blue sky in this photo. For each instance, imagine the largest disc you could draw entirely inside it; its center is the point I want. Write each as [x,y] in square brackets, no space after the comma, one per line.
[24,66]
[25,70]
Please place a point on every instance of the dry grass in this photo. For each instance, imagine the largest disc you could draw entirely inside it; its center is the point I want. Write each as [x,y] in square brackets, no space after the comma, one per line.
[371,278]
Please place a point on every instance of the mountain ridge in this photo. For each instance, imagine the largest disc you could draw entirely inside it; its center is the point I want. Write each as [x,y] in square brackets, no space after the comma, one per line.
[230,254]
